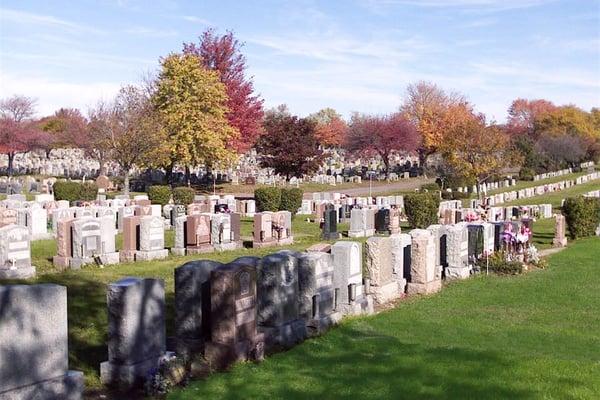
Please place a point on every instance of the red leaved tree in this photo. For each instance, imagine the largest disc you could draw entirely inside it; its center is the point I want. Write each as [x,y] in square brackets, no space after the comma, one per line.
[18,132]
[522,115]
[223,54]
[331,128]
[66,128]
[382,135]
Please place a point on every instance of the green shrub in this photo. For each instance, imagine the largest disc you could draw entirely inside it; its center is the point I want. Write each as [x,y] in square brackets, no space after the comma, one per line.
[430,187]
[159,194]
[88,191]
[455,195]
[267,199]
[73,191]
[582,215]
[421,209]
[291,200]
[499,264]
[183,195]
[526,174]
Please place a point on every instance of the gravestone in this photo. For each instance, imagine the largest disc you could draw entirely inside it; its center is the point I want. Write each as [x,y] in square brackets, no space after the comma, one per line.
[439,240]
[64,243]
[131,238]
[457,245]
[399,243]
[330,223]
[15,253]
[233,316]
[109,255]
[282,227]
[8,216]
[220,233]
[425,275]
[35,219]
[394,220]
[383,285]
[382,221]
[560,238]
[34,344]
[136,331]
[318,300]
[192,306]
[278,308]
[180,227]
[347,276]
[151,239]
[358,223]
[263,230]
[86,241]
[236,227]
[198,234]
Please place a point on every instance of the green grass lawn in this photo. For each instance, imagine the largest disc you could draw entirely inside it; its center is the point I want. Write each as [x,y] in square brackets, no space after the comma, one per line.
[87,287]
[521,337]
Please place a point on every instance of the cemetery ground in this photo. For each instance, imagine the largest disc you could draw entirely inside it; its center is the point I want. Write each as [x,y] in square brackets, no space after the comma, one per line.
[87,287]
[519,337]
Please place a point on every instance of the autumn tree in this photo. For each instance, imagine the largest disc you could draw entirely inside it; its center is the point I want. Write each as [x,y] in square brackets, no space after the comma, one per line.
[66,128]
[474,148]
[522,115]
[134,134]
[426,105]
[19,133]
[192,104]
[245,108]
[382,135]
[289,145]
[563,150]
[330,129]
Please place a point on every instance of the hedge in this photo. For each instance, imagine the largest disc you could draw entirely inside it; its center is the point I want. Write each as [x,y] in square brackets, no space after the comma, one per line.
[582,215]
[291,200]
[526,174]
[267,199]
[159,194]
[183,195]
[430,187]
[74,191]
[422,209]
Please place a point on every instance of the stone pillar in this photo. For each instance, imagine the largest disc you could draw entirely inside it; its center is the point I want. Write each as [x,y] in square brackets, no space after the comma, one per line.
[180,236]
[34,344]
[136,331]
[560,238]
[424,274]
[457,248]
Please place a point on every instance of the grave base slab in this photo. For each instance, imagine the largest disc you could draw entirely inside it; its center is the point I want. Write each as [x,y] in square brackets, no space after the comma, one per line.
[424,288]
[456,273]
[62,263]
[126,376]
[220,355]
[260,245]
[110,258]
[286,335]
[226,246]
[65,387]
[385,293]
[200,249]
[178,251]
[151,255]
[356,234]
[362,305]
[319,325]
[18,273]
[286,242]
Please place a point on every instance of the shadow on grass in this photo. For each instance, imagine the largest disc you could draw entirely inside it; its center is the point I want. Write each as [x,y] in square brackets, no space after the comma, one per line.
[359,363]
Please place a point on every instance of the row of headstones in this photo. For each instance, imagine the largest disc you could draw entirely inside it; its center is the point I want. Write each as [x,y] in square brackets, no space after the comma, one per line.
[493,214]
[535,191]
[553,174]
[488,186]
[27,184]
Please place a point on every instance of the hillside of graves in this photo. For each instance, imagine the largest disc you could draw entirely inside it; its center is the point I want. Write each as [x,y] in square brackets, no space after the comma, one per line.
[518,337]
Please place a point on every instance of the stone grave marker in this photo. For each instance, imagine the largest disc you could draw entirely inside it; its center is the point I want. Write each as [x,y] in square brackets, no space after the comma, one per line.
[347,276]
[425,275]
[383,285]
[15,253]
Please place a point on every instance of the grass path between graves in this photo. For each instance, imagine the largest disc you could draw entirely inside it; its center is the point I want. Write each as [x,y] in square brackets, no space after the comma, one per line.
[535,336]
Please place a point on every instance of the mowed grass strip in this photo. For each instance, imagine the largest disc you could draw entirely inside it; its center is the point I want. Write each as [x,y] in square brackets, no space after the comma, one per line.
[535,336]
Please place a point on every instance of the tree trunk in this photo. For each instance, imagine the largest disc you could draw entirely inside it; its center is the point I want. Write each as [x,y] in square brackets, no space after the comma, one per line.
[169,172]
[187,175]
[11,158]
[126,182]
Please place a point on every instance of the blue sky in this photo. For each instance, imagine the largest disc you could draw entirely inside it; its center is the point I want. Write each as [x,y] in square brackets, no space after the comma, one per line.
[352,55]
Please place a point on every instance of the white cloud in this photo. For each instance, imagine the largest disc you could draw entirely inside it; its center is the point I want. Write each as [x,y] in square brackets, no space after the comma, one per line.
[193,18]
[490,5]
